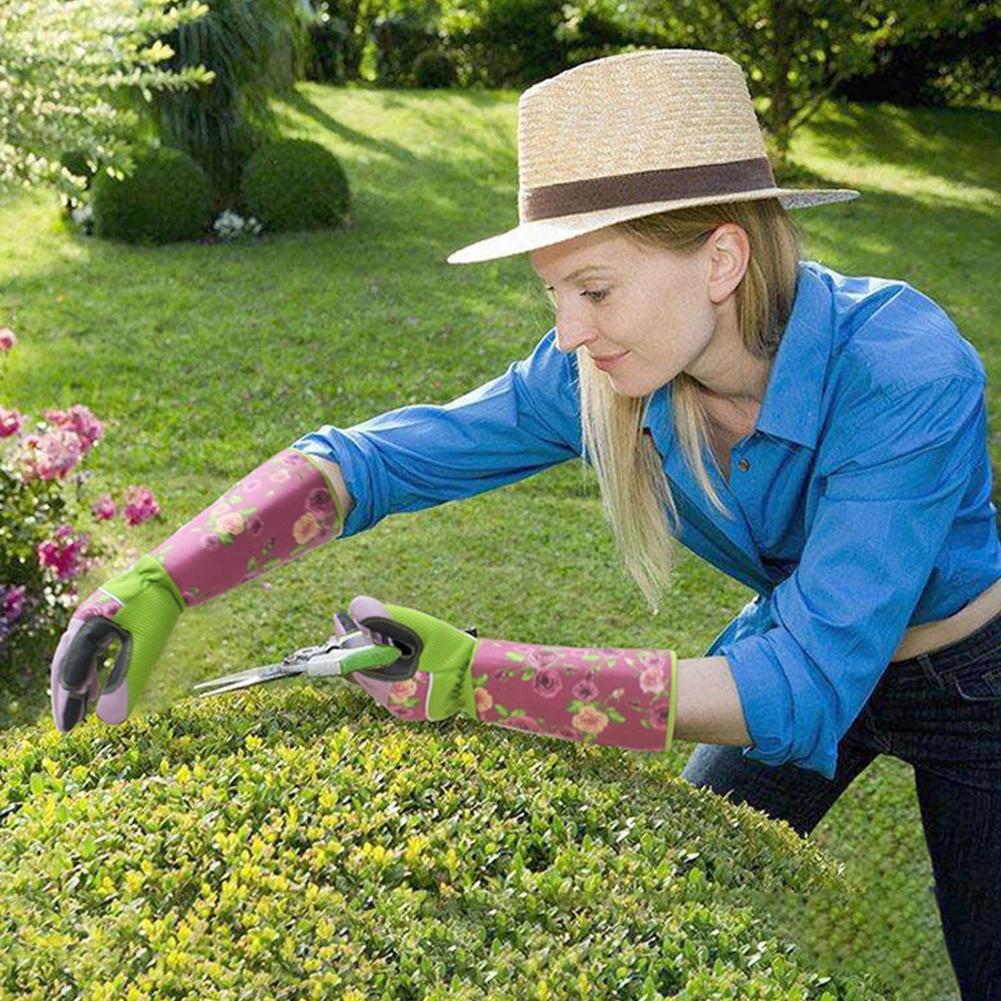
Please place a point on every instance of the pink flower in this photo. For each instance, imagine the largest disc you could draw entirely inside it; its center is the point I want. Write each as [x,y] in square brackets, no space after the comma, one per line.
[140,505]
[652,680]
[12,602]
[103,508]
[10,422]
[7,339]
[586,690]
[319,501]
[230,524]
[80,421]
[64,555]
[49,456]
[546,683]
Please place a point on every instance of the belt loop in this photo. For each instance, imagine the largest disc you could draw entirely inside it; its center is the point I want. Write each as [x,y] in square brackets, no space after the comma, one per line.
[924,660]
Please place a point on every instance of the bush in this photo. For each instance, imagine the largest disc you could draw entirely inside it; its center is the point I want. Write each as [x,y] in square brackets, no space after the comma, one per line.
[434,68]
[299,842]
[399,39]
[167,198]
[295,184]
[43,551]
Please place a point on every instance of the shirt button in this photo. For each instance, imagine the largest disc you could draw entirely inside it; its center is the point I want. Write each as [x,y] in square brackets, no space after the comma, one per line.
[744,465]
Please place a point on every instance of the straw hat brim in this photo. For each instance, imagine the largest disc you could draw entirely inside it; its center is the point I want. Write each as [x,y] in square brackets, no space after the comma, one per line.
[546,232]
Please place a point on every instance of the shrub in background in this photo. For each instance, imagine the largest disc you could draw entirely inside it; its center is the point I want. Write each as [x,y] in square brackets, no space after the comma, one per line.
[295,184]
[256,50]
[300,842]
[434,68]
[168,198]
[399,39]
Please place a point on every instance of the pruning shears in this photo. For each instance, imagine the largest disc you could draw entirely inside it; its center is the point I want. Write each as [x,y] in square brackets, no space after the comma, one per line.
[339,655]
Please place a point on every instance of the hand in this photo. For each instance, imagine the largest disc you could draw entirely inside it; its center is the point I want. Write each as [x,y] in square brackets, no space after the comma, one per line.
[138,608]
[443,683]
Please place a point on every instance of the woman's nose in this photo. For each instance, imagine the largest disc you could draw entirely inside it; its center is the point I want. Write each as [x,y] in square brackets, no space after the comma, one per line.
[572,329]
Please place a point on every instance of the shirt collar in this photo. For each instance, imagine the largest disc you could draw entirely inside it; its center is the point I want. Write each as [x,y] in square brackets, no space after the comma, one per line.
[791,408]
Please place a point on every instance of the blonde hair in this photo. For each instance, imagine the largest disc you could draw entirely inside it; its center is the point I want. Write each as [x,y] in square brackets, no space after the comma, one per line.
[634,490]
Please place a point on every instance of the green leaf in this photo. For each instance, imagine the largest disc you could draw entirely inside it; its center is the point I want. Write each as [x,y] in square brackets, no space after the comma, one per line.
[615,716]
[516,657]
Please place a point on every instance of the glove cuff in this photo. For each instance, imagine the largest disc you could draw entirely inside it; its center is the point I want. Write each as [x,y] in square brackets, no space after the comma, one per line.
[616,697]
[282,509]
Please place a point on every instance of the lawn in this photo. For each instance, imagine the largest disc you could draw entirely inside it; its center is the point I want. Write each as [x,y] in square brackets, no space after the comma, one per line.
[206,359]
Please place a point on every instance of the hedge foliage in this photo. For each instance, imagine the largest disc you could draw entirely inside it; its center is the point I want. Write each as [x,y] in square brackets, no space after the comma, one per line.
[301,843]
[295,184]
[167,199]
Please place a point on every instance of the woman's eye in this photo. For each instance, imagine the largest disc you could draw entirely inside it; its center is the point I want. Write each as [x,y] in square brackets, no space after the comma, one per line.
[596,296]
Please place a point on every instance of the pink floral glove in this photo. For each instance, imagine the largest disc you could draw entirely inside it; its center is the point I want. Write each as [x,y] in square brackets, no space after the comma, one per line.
[604,695]
[282,509]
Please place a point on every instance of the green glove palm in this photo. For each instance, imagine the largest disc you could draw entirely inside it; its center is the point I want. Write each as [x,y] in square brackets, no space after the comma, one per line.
[442,684]
[138,609]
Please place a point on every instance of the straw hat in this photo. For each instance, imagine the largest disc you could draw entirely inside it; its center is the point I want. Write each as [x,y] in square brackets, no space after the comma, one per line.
[630,135]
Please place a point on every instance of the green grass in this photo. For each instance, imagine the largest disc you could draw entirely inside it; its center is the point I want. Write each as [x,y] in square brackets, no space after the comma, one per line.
[206,359]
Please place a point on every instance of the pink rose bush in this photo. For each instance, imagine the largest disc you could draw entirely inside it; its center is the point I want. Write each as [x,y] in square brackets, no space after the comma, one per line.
[43,552]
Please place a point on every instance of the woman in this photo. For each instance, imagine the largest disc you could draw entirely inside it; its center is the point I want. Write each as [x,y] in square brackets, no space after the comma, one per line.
[821,438]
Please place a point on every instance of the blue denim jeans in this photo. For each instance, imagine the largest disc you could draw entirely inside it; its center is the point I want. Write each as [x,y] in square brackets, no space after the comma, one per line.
[941,713]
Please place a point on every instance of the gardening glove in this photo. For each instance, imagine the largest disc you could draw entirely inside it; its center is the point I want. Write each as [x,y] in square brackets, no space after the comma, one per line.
[617,697]
[279,511]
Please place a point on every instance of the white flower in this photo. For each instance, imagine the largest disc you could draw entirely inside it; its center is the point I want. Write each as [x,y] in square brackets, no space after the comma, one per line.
[230,225]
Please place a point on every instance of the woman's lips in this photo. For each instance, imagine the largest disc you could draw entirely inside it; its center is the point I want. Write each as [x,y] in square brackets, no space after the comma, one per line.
[604,364]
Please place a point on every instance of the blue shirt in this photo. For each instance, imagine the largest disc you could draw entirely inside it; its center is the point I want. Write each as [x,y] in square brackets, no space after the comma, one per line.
[861,501]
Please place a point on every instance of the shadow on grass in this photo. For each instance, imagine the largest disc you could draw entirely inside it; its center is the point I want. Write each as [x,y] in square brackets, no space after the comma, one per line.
[952,143]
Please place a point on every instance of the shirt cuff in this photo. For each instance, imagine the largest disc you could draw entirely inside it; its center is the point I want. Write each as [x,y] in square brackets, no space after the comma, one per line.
[766,699]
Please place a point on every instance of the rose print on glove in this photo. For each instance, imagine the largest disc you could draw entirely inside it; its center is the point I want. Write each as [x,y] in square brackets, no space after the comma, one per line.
[299,513]
[610,689]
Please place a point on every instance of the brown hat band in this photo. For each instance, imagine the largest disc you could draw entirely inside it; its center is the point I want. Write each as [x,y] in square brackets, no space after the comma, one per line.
[595,194]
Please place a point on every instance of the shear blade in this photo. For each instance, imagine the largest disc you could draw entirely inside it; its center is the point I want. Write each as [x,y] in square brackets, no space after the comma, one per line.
[243,679]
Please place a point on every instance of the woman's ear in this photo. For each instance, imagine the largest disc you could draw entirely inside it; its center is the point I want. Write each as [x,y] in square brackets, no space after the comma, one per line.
[730,253]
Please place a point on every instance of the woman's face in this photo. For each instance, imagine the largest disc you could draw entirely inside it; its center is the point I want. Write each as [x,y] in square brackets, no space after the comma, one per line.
[644,314]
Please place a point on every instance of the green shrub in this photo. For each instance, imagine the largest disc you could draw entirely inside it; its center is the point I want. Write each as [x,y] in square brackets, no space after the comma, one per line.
[167,198]
[295,184]
[303,843]
[399,39]
[434,68]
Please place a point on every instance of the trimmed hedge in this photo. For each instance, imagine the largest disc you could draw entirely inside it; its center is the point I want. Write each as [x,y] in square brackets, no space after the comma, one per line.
[167,199]
[303,843]
[295,184]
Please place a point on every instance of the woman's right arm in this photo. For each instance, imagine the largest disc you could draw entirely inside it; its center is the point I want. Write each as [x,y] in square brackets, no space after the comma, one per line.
[514,426]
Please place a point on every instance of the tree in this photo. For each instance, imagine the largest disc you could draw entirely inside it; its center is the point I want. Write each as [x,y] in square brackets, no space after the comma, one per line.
[62,66]
[255,49]
[796,52]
